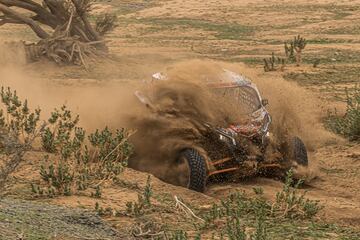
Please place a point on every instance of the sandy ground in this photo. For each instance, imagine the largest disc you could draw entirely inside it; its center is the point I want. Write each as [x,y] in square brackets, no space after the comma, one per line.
[145,47]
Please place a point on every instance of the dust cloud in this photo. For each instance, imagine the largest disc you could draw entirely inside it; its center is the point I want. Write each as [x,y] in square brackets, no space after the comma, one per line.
[99,104]
[293,108]
[182,105]
[184,102]
[176,115]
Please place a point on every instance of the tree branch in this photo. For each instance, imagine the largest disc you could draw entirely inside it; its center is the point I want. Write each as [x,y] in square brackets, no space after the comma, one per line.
[57,9]
[43,15]
[26,20]
[21,4]
[86,22]
[4,21]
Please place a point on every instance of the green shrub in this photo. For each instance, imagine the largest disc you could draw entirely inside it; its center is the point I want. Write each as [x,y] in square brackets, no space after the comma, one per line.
[108,211]
[234,230]
[294,49]
[75,160]
[349,124]
[258,190]
[271,64]
[105,23]
[290,204]
[178,235]
[236,212]
[19,127]
[59,177]
[97,193]
[18,121]
[57,136]
[110,152]
[100,156]
[143,203]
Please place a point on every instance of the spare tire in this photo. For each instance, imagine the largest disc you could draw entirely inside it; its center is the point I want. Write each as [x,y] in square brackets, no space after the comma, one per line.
[299,152]
[197,170]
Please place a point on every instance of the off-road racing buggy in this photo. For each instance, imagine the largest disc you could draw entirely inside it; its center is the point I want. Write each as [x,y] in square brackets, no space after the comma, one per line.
[240,149]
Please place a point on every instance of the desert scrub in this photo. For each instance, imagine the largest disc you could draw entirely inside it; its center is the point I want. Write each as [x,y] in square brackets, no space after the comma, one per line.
[19,127]
[233,213]
[292,204]
[97,193]
[135,209]
[143,203]
[106,23]
[237,212]
[271,64]
[347,125]
[75,163]
[107,211]
[78,161]
[294,49]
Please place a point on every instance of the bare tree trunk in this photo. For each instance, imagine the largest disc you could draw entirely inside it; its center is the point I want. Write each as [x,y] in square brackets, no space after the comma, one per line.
[43,16]
[31,23]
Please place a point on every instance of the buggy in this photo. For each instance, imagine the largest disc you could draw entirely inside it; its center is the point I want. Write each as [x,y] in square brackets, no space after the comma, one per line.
[229,150]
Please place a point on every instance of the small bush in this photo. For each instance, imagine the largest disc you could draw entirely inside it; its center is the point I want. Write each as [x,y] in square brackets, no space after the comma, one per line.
[79,160]
[178,235]
[58,137]
[290,204]
[294,49]
[18,121]
[59,177]
[143,203]
[261,228]
[19,127]
[237,211]
[258,190]
[97,193]
[100,156]
[106,23]
[349,124]
[234,230]
[271,64]
[108,211]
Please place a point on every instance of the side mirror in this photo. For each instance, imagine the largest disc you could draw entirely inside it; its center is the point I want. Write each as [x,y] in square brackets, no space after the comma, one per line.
[265,102]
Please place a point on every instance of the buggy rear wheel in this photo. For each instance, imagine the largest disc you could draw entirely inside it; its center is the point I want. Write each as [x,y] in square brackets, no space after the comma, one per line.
[194,170]
[299,152]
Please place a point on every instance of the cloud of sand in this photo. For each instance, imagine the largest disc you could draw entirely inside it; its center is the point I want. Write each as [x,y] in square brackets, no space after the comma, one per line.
[98,104]
[291,106]
[293,109]
[12,54]
[295,112]
[180,107]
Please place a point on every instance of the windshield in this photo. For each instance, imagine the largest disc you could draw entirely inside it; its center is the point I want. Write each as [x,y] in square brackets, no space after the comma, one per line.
[245,98]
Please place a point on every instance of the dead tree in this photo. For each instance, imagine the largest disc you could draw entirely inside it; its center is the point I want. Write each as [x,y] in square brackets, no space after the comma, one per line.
[72,38]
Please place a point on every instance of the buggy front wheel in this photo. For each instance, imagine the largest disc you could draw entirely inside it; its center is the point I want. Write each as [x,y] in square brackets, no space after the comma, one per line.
[194,170]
